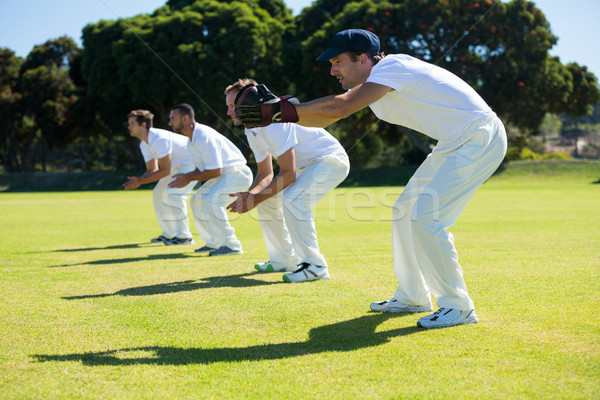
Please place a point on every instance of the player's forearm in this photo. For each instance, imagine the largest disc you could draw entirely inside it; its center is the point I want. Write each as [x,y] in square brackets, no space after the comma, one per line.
[322,112]
[153,176]
[197,175]
[261,182]
[277,185]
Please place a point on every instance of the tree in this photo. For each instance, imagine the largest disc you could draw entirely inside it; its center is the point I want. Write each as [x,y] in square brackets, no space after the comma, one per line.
[37,94]
[186,51]
[10,66]
[501,49]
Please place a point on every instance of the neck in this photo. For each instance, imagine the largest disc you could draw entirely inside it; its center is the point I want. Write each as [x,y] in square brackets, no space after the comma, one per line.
[189,129]
[144,136]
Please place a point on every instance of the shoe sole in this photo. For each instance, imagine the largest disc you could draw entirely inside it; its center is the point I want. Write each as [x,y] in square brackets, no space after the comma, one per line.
[288,280]
[170,243]
[268,269]
[404,309]
[435,326]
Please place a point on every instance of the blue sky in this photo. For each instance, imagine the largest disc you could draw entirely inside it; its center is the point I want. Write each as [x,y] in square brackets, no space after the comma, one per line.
[25,23]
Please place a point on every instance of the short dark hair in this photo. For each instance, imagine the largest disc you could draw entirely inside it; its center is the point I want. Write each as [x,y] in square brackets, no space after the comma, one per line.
[239,84]
[142,116]
[374,58]
[184,109]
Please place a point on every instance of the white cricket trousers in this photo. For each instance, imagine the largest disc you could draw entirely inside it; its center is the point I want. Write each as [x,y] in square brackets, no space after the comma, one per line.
[208,207]
[425,259]
[170,204]
[287,221]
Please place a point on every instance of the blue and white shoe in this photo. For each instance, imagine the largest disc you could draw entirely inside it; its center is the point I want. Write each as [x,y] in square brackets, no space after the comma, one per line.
[393,305]
[179,241]
[204,249]
[306,272]
[225,251]
[445,317]
[160,239]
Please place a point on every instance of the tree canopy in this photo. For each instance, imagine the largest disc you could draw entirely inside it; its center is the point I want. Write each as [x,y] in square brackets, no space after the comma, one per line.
[36,96]
[189,50]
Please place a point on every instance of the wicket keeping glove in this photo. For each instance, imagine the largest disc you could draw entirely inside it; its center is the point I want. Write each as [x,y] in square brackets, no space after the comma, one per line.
[256,106]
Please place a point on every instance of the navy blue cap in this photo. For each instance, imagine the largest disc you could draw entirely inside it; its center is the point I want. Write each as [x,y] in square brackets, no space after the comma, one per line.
[358,40]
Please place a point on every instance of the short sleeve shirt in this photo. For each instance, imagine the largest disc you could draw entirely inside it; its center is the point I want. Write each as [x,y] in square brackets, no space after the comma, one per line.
[426,98]
[276,139]
[162,143]
[211,150]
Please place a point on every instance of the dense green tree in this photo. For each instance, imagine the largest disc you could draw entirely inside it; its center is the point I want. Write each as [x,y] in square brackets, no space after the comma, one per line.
[186,51]
[10,66]
[189,50]
[36,100]
[501,49]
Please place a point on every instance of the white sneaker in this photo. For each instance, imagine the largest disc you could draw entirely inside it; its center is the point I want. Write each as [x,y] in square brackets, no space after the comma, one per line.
[225,251]
[306,272]
[445,317]
[393,305]
[268,267]
[160,239]
[179,241]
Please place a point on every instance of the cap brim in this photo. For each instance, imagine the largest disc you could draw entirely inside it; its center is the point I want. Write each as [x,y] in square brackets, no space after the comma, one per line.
[330,53]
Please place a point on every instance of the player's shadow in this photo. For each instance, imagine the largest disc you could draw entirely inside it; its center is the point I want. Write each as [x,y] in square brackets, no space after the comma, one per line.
[172,256]
[230,281]
[343,336]
[114,247]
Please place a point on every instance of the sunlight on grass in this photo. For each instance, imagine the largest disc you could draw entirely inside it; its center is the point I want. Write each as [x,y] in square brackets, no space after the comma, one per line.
[90,309]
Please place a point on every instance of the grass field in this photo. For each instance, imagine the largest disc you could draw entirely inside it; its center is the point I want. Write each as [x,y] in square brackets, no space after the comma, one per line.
[90,309]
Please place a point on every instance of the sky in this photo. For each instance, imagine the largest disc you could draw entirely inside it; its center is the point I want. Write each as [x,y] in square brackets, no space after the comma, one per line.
[26,23]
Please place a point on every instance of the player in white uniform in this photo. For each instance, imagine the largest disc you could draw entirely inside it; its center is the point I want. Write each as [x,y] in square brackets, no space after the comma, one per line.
[471,145]
[223,168]
[311,163]
[165,154]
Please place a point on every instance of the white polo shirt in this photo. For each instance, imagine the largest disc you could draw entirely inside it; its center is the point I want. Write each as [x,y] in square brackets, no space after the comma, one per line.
[427,98]
[276,139]
[211,150]
[161,143]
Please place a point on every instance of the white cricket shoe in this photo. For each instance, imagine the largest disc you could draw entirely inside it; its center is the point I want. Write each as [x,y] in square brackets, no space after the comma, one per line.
[160,239]
[306,272]
[179,241]
[445,317]
[393,305]
[268,267]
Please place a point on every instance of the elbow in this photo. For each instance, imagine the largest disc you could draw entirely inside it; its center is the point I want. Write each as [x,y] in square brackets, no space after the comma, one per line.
[216,173]
[340,112]
[289,178]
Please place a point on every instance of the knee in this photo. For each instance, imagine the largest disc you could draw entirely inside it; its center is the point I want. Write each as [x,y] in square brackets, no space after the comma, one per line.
[425,220]
[296,209]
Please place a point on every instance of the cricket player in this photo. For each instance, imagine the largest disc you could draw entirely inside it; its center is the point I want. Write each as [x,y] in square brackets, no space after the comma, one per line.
[311,163]
[222,168]
[406,91]
[165,154]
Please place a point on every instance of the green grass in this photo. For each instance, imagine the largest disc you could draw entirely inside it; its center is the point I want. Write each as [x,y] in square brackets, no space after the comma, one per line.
[89,309]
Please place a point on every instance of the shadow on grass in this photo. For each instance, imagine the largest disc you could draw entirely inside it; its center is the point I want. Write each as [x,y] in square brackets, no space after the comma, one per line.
[115,247]
[130,260]
[230,281]
[343,336]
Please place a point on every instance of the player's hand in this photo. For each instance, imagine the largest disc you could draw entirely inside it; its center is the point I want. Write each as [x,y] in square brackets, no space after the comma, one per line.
[132,183]
[257,106]
[243,203]
[179,181]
